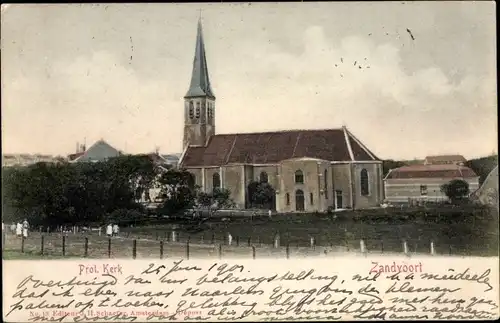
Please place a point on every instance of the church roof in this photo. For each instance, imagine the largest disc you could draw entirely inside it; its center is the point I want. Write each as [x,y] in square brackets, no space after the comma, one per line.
[200,82]
[274,147]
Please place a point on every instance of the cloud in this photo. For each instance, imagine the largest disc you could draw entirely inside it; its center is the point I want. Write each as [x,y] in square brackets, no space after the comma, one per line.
[95,97]
[260,85]
[324,86]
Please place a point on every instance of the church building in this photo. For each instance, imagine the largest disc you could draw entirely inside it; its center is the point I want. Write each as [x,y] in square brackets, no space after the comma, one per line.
[310,170]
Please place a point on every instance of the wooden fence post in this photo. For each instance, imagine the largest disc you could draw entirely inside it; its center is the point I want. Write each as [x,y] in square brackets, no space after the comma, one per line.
[405,247]
[362,246]
[433,251]
[213,238]
[64,245]
[41,245]
[220,251]
[161,249]
[109,247]
[287,251]
[134,249]
[22,244]
[382,246]
[237,241]
[253,252]
[249,241]
[450,250]
[187,249]
[86,247]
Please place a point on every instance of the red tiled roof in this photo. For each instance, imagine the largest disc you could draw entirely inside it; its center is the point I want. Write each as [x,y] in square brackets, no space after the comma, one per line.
[274,147]
[431,171]
[445,158]
[75,156]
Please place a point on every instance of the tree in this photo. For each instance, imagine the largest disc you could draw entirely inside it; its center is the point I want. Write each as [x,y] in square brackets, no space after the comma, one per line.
[138,170]
[220,198]
[456,190]
[391,164]
[261,194]
[177,191]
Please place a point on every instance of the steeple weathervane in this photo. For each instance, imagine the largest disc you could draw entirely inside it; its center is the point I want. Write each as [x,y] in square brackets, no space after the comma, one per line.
[200,82]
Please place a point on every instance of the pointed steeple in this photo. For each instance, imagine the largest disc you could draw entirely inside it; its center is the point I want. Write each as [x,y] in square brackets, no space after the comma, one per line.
[200,82]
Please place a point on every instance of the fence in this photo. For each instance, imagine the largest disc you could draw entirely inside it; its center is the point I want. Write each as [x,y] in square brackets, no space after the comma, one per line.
[170,245]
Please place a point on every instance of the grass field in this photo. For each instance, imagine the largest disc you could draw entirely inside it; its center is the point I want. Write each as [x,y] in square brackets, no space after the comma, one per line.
[470,237]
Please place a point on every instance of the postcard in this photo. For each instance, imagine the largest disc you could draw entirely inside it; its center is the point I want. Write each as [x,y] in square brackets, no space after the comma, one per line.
[249,162]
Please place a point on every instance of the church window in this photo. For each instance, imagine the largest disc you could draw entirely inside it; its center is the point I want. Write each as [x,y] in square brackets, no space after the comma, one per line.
[365,187]
[191,110]
[216,181]
[287,198]
[198,110]
[299,177]
[263,177]
[326,183]
[423,189]
[311,198]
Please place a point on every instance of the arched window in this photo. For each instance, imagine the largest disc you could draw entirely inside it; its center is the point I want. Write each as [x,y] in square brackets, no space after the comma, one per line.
[299,177]
[311,198]
[287,198]
[216,181]
[198,110]
[325,175]
[263,177]
[191,110]
[365,186]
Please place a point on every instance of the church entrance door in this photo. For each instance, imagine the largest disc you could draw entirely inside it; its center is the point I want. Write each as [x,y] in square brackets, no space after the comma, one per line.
[338,196]
[299,200]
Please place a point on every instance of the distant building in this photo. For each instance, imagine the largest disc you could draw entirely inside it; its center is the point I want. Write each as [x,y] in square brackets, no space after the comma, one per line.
[11,160]
[423,182]
[445,160]
[99,151]
[172,159]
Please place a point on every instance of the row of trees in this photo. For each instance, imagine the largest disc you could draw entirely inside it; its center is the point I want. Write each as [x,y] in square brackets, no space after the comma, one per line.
[83,193]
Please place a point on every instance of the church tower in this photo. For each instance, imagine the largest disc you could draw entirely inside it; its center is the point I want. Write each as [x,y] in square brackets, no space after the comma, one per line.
[199,101]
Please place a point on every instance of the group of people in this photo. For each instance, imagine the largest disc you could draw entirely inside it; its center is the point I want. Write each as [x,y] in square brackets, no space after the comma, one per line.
[20,228]
[112,230]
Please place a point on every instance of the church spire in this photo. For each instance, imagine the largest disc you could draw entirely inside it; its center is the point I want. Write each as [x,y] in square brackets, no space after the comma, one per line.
[200,82]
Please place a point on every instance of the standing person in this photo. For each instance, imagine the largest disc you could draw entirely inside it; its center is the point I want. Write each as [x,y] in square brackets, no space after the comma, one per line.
[25,228]
[19,229]
[13,227]
[109,230]
[270,213]
[115,229]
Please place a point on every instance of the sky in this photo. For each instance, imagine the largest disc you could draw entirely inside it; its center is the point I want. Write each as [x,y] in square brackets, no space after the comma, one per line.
[81,72]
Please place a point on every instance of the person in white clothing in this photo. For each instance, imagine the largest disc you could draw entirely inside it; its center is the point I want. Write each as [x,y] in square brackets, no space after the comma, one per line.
[270,213]
[115,229]
[109,230]
[13,227]
[25,228]
[19,229]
